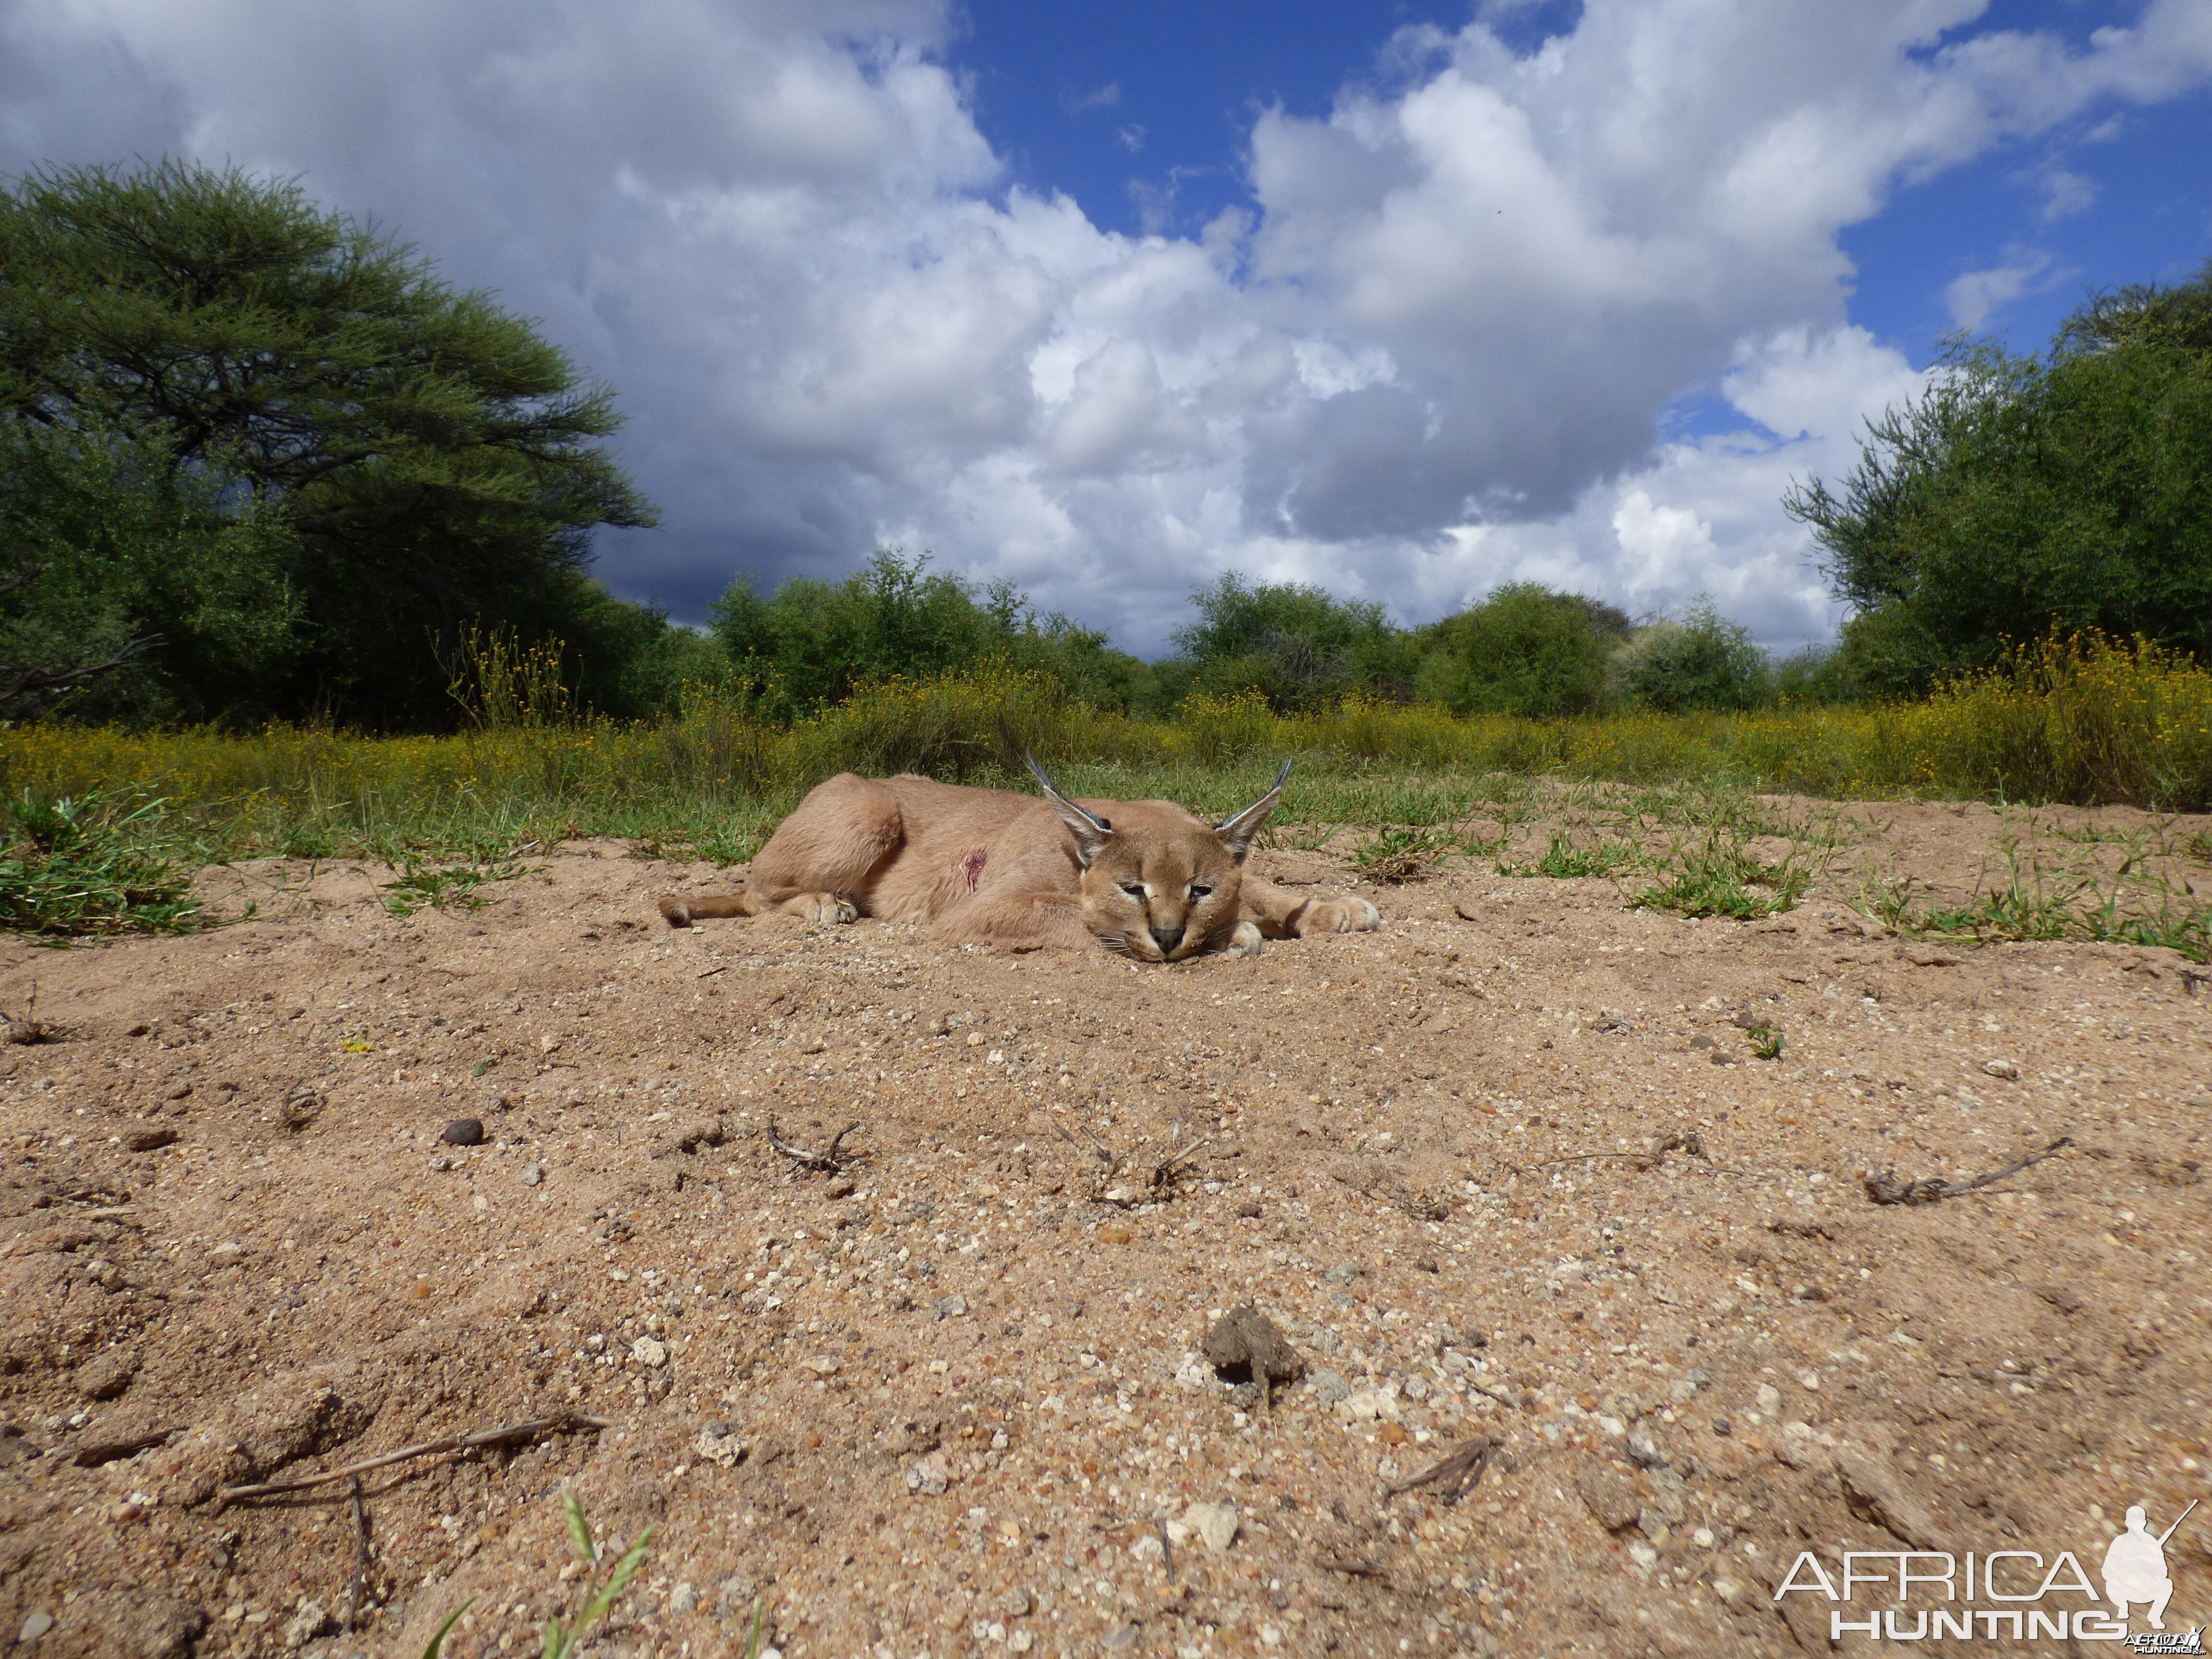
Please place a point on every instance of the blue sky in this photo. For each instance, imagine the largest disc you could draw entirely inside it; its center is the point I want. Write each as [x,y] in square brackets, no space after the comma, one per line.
[1141,112]
[1405,300]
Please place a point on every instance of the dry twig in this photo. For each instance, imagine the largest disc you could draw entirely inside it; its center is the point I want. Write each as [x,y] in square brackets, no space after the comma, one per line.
[1885,1188]
[428,1448]
[1164,1173]
[826,1159]
[1350,1569]
[1458,1471]
[360,1558]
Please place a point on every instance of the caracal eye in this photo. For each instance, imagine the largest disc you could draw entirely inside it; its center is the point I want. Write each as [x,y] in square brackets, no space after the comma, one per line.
[1200,890]
[1135,890]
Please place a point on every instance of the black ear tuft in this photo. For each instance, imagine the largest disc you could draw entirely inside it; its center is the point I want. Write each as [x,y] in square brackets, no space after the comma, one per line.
[1090,831]
[1237,833]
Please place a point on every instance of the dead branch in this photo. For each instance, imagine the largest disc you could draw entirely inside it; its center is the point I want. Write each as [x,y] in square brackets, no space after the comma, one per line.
[1350,1569]
[1386,1189]
[1164,1172]
[428,1448]
[1885,1188]
[1167,1549]
[1458,1471]
[1097,1150]
[826,1159]
[359,1557]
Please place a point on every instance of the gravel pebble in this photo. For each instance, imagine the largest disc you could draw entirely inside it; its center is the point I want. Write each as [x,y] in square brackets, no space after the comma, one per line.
[464,1132]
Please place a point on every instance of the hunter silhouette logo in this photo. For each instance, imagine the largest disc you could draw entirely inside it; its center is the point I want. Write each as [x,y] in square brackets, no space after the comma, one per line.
[2134,1567]
[2029,1595]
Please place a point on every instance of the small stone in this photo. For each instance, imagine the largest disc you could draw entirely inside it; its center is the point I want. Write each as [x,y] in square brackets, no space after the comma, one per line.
[464,1132]
[35,1627]
[926,1479]
[1344,1272]
[148,1137]
[840,1187]
[1729,1589]
[1610,1496]
[1249,1209]
[106,1375]
[2003,1069]
[975,1039]
[1426,1264]
[1214,1523]
[1723,1427]
[683,1600]
[309,1622]
[532,1173]
[1809,1380]
[950,1307]
[228,1251]
[1393,1434]
[1703,1538]
[735,1595]
[1645,1452]
[1770,1398]
[719,1446]
[1330,1386]
[1013,1604]
[1115,1234]
[1416,1388]
[649,1350]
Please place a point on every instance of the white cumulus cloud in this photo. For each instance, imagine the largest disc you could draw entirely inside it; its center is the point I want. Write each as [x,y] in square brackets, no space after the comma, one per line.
[1432,354]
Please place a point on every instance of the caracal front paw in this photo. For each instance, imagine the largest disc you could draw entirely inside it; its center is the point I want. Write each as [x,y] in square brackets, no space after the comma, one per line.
[827,908]
[1244,941]
[1343,915]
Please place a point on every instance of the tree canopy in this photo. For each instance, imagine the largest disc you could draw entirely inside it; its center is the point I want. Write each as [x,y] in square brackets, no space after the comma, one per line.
[813,641]
[1524,650]
[361,458]
[1296,645]
[2071,489]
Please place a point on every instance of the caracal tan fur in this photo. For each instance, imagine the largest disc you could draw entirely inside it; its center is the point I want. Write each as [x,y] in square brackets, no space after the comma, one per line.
[1143,878]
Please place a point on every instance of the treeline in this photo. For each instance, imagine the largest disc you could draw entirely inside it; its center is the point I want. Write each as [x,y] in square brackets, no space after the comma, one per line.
[1524,650]
[259,462]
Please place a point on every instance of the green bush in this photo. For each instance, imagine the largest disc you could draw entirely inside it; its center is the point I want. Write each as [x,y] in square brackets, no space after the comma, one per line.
[1525,650]
[1702,662]
[813,643]
[2024,493]
[1296,646]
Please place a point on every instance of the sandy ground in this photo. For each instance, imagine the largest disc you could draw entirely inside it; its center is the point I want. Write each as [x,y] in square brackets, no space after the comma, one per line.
[953,1399]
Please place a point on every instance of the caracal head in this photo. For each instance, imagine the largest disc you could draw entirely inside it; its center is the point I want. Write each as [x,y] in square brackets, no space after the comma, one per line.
[1157,885]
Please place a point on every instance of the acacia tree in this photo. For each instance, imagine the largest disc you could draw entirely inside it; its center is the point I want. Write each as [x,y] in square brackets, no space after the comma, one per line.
[426,458]
[2071,489]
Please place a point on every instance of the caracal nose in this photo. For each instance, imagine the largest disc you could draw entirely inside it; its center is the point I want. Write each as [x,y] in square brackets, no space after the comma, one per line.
[1167,939]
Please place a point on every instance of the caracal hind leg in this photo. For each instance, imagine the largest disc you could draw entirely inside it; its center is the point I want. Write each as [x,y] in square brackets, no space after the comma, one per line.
[1018,921]
[1283,914]
[817,860]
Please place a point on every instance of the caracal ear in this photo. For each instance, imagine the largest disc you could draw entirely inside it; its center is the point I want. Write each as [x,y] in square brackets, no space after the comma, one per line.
[1090,831]
[1236,834]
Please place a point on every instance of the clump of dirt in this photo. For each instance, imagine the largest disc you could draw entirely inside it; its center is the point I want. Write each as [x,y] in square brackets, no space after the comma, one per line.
[1244,1346]
[1599,1328]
